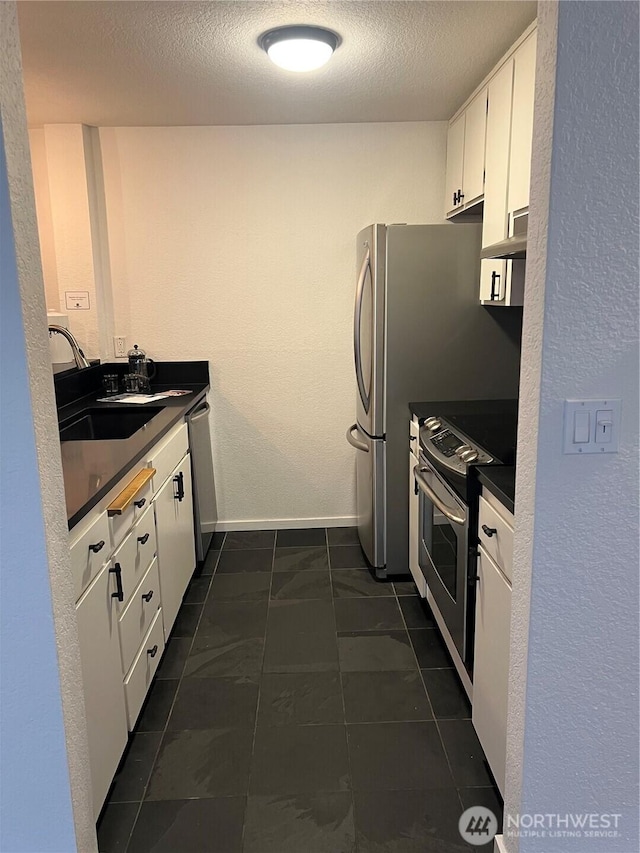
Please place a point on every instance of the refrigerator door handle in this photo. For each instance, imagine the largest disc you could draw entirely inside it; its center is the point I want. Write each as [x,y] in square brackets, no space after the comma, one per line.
[353,441]
[357,316]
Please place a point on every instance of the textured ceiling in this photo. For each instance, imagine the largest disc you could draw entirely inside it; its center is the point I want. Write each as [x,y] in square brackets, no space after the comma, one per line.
[198,63]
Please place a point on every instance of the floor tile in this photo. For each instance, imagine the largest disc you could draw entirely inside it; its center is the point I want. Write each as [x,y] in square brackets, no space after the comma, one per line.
[447,695]
[247,539]
[211,703]
[358,583]
[218,540]
[133,774]
[201,763]
[299,759]
[468,764]
[489,798]
[375,697]
[368,614]
[292,617]
[408,822]
[189,826]
[347,557]
[404,585]
[394,756]
[197,590]
[300,823]
[259,560]
[233,620]
[246,586]
[300,698]
[301,560]
[114,828]
[301,538]
[342,536]
[303,652]
[375,650]
[430,649]
[211,656]
[210,562]
[155,711]
[298,585]
[174,658]
[187,620]
[416,612]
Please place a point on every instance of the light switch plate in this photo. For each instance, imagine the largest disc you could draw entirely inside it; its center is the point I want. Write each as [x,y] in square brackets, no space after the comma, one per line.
[598,424]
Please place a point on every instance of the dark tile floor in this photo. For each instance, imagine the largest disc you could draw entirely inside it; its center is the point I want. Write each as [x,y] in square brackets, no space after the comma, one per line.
[300,707]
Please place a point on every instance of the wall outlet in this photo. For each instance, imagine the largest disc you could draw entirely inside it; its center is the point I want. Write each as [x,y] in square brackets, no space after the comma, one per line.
[120,346]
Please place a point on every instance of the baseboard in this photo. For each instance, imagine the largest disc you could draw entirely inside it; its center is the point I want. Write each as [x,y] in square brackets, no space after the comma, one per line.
[285,523]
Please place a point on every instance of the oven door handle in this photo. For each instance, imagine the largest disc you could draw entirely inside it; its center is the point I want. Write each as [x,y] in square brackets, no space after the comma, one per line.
[433,497]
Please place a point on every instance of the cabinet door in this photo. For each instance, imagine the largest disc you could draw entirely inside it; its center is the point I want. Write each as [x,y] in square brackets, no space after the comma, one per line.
[455,155]
[524,80]
[491,664]
[175,538]
[474,145]
[102,682]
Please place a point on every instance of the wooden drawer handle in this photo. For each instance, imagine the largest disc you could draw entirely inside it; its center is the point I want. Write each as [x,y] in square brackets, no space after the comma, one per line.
[119,504]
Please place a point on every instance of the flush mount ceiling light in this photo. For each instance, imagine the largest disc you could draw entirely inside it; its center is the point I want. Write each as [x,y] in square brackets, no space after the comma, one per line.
[299,48]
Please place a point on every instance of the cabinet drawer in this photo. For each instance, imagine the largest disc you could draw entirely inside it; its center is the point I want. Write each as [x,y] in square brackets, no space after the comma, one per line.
[496,536]
[168,453]
[90,550]
[135,554]
[138,615]
[121,524]
[137,682]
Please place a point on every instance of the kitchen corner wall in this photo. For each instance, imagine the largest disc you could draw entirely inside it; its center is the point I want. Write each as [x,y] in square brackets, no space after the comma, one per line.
[237,245]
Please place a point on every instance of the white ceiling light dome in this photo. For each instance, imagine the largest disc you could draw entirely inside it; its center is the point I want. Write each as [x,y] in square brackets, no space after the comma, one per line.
[299,48]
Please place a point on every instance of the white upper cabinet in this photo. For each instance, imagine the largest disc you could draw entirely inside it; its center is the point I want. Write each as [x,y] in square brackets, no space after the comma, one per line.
[455,158]
[464,182]
[524,79]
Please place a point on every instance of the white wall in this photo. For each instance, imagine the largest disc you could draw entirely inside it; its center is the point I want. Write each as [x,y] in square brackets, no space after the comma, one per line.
[237,245]
[43,744]
[573,747]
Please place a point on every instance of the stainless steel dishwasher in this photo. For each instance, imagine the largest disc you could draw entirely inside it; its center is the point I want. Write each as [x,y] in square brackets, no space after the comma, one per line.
[204,490]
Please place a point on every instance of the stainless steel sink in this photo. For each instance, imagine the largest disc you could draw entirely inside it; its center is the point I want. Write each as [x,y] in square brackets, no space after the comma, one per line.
[107,424]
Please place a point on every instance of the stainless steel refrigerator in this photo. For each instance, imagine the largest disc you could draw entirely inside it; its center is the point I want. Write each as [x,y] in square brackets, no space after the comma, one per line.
[420,335]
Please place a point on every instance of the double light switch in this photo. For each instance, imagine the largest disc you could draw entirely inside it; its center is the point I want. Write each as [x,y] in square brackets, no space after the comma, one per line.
[591,426]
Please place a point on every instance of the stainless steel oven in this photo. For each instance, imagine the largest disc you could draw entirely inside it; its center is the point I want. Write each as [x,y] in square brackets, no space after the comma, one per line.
[443,550]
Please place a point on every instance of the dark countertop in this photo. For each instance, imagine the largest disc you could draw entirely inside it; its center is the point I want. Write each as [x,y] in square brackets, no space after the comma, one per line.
[500,480]
[92,468]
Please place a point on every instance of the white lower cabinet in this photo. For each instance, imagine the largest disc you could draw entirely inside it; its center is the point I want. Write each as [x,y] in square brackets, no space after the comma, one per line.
[175,535]
[131,570]
[102,681]
[491,663]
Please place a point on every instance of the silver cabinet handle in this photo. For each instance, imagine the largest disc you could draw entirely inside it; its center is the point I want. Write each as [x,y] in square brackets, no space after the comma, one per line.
[354,442]
[357,316]
[433,497]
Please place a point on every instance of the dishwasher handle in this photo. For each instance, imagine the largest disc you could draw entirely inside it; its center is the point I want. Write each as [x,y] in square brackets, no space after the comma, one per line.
[199,412]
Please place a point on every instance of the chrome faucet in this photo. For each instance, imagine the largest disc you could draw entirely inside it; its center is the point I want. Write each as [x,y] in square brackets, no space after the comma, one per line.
[78,355]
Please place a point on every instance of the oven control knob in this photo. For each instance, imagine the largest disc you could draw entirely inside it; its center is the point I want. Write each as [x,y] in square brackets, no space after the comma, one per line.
[432,424]
[462,449]
[469,455]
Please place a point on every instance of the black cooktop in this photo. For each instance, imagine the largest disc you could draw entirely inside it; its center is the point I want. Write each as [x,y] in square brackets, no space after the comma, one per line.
[494,429]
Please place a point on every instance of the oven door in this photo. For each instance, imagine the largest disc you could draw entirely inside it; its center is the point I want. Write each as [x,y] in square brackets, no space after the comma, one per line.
[443,547]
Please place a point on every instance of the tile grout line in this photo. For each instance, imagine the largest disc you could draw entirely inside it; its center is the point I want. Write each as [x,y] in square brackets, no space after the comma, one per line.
[173,702]
[344,707]
[260,675]
[446,754]
[164,730]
